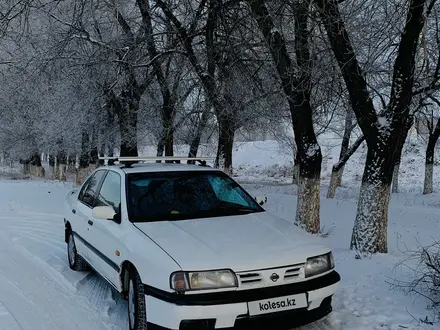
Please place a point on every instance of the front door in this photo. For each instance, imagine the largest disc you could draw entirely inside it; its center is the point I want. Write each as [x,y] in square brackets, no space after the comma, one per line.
[105,233]
[83,213]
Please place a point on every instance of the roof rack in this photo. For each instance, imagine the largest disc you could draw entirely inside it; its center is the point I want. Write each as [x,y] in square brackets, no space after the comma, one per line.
[128,161]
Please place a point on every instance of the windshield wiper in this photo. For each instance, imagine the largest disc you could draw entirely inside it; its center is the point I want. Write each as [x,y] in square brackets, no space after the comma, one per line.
[236,209]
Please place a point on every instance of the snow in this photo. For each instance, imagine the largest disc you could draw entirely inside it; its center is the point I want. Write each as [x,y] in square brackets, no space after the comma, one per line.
[38,291]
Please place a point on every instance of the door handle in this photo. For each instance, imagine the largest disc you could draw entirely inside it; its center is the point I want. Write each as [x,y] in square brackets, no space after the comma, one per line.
[90,222]
[73,211]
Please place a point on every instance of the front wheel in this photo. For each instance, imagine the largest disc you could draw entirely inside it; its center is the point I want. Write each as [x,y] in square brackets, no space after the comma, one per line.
[76,262]
[137,312]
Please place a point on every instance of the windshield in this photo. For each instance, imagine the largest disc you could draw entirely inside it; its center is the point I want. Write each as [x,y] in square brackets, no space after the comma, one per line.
[185,195]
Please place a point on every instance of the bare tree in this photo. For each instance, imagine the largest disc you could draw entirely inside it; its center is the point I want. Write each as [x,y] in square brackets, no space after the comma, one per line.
[296,83]
[383,133]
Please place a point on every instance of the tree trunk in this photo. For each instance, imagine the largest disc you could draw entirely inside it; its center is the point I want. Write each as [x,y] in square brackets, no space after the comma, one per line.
[195,142]
[336,176]
[62,165]
[52,165]
[128,127]
[295,179]
[345,142]
[396,168]
[110,151]
[308,202]
[370,229]
[429,165]
[371,223]
[395,180]
[94,148]
[225,145]
[101,154]
[84,159]
[35,167]
[168,122]
[26,166]
[111,144]
[160,148]
[335,180]
[126,107]
[61,157]
[336,170]
[94,155]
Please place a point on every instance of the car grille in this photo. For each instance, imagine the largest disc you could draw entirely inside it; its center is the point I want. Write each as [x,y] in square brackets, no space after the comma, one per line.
[250,278]
[293,273]
[270,277]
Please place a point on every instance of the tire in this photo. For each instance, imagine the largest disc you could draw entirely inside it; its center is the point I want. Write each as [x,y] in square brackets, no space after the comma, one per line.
[137,311]
[76,262]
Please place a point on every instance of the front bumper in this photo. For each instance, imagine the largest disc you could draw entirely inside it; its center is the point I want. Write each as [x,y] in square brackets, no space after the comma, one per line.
[167,311]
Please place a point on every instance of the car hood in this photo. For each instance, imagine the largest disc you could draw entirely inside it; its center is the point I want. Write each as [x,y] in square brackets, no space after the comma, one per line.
[244,242]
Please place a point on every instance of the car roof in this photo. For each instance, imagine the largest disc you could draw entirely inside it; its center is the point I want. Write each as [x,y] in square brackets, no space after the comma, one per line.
[158,167]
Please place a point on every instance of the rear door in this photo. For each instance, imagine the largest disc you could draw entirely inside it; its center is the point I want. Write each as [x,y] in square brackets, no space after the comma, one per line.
[86,201]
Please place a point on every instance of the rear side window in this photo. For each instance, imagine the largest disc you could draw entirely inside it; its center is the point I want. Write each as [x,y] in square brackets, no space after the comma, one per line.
[110,193]
[90,189]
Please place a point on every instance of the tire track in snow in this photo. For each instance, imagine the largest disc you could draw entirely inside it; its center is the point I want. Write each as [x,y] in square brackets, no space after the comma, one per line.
[108,300]
[48,304]
[49,251]
[7,320]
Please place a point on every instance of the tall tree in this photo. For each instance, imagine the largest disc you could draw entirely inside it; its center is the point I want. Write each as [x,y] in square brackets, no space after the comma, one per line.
[296,83]
[383,133]
[206,74]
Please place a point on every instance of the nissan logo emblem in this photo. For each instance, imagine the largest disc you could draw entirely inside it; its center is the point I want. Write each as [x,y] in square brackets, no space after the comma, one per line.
[274,277]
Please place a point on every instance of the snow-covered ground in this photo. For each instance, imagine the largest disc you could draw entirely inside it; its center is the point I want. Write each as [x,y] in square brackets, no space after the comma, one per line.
[38,291]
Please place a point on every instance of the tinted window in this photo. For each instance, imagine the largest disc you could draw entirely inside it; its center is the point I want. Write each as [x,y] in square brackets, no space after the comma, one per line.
[110,193]
[89,195]
[83,189]
[186,195]
[227,192]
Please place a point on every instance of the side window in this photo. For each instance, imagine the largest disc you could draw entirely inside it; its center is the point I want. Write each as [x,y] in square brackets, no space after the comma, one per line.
[110,193]
[83,189]
[88,197]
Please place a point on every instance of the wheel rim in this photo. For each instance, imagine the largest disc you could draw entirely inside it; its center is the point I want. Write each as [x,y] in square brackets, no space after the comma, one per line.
[131,304]
[71,250]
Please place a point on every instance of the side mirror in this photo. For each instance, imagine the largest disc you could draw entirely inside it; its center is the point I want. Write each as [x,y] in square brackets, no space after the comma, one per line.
[103,212]
[261,200]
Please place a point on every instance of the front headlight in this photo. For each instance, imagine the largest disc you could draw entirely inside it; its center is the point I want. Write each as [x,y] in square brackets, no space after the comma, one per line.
[320,264]
[216,279]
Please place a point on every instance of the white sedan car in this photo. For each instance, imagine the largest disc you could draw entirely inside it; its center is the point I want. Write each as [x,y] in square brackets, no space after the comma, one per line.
[191,249]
